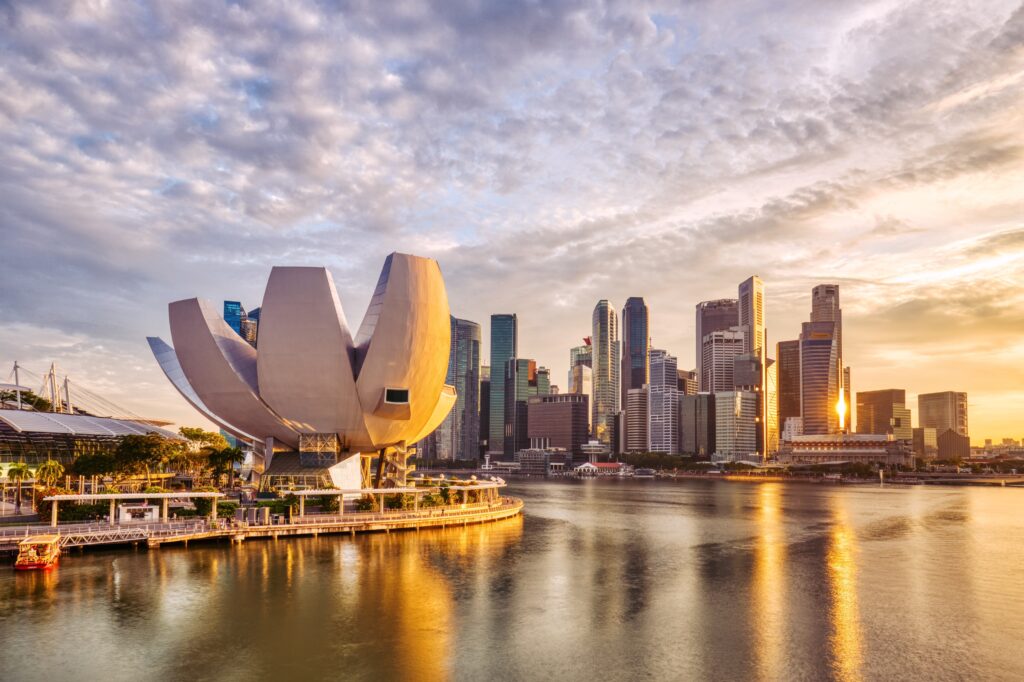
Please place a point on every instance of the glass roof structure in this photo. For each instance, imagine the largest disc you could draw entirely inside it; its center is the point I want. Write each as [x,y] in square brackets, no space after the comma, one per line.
[25,421]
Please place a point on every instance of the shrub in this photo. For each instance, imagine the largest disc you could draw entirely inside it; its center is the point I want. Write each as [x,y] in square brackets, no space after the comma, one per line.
[329,503]
[226,510]
[204,504]
[365,503]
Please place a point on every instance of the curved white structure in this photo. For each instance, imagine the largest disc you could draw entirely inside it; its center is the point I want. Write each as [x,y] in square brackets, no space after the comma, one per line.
[383,389]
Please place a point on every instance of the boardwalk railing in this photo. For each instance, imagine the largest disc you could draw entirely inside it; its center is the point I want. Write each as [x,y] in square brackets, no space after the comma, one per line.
[88,534]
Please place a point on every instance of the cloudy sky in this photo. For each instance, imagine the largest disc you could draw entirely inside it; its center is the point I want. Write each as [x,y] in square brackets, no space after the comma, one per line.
[547,154]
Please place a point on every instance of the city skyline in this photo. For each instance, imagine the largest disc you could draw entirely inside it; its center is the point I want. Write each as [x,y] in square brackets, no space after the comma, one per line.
[541,159]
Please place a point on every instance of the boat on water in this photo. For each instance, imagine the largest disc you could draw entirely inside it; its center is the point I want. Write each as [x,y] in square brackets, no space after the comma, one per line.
[643,473]
[38,553]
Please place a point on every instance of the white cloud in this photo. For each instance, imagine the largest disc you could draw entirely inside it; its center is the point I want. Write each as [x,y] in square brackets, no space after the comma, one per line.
[549,154]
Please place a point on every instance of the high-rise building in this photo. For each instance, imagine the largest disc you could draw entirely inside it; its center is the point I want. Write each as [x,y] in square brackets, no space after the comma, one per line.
[755,343]
[543,381]
[771,409]
[884,412]
[825,308]
[581,382]
[234,313]
[926,443]
[788,372]
[713,316]
[819,378]
[943,412]
[637,405]
[636,344]
[697,425]
[485,409]
[688,383]
[847,399]
[720,349]
[249,329]
[504,347]
[559,421]
[522,380]
[751,316]
[582,355]
[736,426]
[458,435]
[606,353]
[663,403]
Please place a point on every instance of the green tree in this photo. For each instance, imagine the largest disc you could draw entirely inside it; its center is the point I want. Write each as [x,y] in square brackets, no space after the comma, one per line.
[49,472]
[200,438]
[18,472]
[94,464]
[38,403]
[223,461]
[137,455]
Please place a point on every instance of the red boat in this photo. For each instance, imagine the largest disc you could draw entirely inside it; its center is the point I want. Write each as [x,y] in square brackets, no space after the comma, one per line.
[38,553]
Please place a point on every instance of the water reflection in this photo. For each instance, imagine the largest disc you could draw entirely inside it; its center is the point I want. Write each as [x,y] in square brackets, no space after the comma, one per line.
[600,580]
[845,639]
[769,583]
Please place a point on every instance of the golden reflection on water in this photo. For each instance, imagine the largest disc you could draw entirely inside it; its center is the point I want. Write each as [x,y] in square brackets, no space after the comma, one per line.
[769,589]
[845,636]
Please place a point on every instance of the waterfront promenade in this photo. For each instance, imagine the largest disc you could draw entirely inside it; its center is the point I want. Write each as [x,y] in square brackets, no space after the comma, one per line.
[156,534]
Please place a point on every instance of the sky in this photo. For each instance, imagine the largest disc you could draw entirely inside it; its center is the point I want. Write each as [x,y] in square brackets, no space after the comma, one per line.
[547,154]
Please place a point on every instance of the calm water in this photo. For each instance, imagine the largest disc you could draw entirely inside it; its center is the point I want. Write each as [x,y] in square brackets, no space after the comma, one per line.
[600,580]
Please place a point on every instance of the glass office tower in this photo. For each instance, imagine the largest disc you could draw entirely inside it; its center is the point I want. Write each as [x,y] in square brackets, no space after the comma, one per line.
[504,346]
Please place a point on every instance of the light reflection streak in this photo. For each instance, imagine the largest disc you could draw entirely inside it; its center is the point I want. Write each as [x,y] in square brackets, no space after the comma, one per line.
[845,638]
[769,605]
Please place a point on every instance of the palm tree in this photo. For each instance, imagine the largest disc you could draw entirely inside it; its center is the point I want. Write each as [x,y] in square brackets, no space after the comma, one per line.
[50,471]
[18,472]
[222,461]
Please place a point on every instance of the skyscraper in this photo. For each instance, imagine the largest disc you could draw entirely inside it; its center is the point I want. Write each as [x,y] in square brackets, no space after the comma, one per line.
[943,412]
[735,425]
[663,403]
[755,340]
[459,433]
[825,308]
[522,380]
[771,408]
[637,406]
[559,421]
[697,424]
[606,353]
[751,316]
[713,316]
[504,346]
[788,372]
[819,378]
[688,383]
[582,354]
[720,349]
[485,409]
[234,313]
[636,344]
[884,412]
[581,382]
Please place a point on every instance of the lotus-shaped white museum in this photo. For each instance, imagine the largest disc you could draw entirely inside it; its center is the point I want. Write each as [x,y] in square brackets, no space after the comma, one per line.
[309,386]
